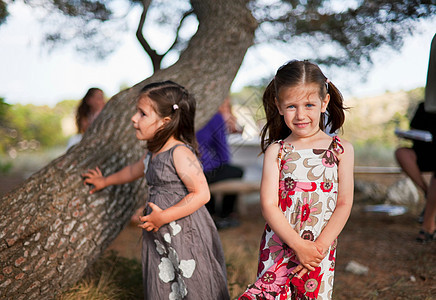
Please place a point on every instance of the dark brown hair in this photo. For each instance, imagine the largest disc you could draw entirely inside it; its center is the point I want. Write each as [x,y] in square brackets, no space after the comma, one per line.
[290,75]
[170,99]
[83,110]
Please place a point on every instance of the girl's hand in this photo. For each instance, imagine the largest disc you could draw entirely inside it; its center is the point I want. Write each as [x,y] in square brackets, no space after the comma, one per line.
[309,255]
[96,178]
[323,249]
[299,271]
[154,220]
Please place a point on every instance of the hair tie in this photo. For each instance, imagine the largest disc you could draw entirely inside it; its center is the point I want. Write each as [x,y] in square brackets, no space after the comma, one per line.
[175,107]
[327,81]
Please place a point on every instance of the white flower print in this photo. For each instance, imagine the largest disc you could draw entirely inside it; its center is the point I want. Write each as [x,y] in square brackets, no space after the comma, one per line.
[166,270]
[176,228]
[178,290]
[171,268]
[187,267]
[160,248]
[167,238]
[322,165]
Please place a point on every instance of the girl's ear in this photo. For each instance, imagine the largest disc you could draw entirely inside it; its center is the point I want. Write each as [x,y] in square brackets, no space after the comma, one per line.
[278,106]
[163,122]
[325,102]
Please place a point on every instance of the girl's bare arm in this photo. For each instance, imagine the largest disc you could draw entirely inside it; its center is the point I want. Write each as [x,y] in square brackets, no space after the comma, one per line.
[127,174]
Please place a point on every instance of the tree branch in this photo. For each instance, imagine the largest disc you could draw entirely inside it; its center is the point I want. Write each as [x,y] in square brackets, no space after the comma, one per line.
[154,56]
[176,40]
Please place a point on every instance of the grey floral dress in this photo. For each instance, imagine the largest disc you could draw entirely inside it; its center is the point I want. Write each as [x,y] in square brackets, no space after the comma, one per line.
[183,259]
[308,189]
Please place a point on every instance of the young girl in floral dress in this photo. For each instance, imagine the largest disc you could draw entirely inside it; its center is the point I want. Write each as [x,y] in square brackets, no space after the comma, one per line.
[182,257]
[307,185]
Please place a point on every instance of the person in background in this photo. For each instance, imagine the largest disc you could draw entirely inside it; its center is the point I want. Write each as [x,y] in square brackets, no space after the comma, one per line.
[225,110]
[421,156]
[428,229]
[216,160]
[89,108]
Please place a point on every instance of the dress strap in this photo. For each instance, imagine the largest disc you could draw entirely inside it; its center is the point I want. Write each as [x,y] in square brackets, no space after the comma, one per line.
[282,144]
[280,159]
[336,145]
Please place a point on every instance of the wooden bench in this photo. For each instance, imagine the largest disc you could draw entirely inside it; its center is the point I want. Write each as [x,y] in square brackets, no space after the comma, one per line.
[239,187]
[377,170]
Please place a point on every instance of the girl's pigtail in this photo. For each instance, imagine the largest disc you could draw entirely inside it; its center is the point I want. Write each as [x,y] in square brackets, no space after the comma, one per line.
[269,105]
[184,120]
[275,127]
[335,108]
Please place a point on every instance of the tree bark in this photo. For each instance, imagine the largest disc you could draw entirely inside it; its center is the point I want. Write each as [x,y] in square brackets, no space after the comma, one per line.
[51,229]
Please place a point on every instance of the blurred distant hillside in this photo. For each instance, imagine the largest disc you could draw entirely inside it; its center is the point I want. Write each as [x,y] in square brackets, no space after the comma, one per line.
[374,119]
[370,124]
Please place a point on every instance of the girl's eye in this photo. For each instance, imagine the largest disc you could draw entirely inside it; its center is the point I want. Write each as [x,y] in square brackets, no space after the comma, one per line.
[309,105]
[291,106]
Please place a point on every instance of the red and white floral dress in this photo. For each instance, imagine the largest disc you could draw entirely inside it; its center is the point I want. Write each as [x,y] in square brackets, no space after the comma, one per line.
[308,190]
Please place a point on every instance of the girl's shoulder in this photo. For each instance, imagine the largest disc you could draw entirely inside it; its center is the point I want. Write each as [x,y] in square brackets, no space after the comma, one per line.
[183,152]
[274,147]
[185,161]
[182,148]
[274,151]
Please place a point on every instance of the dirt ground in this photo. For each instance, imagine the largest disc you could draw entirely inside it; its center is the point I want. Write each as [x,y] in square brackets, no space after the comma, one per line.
[399,268]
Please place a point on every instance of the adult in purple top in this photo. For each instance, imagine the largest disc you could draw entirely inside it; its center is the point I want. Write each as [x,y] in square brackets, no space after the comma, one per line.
[213,146]
[215,157]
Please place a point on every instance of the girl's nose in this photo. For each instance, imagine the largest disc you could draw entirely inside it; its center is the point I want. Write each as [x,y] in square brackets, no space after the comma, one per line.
[134,118]
[299,114]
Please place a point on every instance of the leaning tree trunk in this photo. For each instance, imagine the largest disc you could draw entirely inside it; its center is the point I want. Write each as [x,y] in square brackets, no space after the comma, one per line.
[51,229]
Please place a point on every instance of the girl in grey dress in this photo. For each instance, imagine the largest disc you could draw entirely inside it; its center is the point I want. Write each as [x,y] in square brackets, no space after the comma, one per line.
[182,256]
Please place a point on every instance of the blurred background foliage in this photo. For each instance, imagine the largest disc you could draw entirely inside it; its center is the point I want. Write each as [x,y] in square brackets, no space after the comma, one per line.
[31,129]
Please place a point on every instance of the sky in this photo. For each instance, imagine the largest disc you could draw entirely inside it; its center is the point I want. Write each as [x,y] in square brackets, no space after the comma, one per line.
[29,73]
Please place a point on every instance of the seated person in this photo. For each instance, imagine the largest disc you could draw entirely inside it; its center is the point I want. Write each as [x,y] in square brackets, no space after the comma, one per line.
[422,156]
[215,157]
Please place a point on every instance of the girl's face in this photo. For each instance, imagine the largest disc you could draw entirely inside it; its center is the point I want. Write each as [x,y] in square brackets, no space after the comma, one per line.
[146,121]
[301,108]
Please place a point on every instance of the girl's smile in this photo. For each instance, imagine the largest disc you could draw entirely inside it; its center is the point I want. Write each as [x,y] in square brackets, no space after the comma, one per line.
[301,125]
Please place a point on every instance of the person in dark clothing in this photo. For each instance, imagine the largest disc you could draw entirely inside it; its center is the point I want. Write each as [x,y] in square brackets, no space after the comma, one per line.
[421,157]
[216,159]
[428,229]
